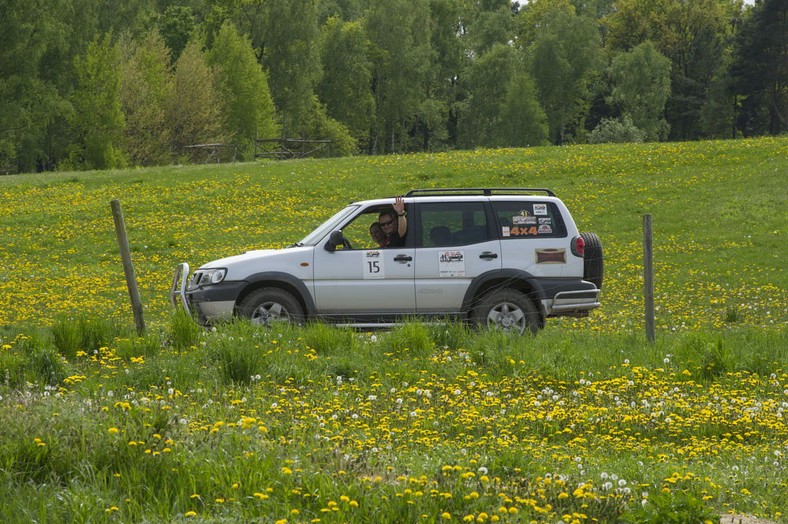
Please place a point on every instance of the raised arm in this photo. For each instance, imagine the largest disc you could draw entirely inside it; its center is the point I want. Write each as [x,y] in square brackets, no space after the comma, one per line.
[402,221]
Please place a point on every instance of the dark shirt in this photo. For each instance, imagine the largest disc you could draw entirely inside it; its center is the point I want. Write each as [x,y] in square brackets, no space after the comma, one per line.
[394,240]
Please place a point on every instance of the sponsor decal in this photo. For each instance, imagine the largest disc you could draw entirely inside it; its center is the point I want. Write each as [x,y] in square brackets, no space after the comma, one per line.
[547,220]
[505,231]
[540,209]
[520,220]
[451,263]
[550,256]
[545,229]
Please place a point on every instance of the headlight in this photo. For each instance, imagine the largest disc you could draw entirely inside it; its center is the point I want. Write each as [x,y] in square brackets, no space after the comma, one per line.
[207,277]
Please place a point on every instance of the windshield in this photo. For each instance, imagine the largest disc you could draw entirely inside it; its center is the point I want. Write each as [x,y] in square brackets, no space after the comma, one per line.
[326,227]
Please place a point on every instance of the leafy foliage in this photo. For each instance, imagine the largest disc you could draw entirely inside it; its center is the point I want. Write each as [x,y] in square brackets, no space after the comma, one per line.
[243,86]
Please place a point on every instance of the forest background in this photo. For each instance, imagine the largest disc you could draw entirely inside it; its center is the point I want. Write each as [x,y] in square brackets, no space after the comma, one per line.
[95,84]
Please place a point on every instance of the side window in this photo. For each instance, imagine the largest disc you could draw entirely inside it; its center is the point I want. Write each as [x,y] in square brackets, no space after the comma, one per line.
[520,220]
[452,224]
[358,231]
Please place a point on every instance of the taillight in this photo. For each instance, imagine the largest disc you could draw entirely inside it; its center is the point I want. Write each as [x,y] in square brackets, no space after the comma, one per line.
[578,247]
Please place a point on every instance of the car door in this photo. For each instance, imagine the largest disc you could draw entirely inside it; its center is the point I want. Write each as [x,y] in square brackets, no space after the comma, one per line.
[456,242]
[362,281]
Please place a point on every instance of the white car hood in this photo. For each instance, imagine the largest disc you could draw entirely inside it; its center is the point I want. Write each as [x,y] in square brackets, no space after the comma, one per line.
[240,267]
[239,259]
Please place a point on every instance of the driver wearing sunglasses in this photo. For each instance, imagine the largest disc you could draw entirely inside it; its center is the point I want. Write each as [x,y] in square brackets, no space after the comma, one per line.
[394,223]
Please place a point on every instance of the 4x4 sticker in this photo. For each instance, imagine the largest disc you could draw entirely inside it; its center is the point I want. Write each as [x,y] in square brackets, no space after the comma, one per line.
[551,256]
[373,265]
[451,263]
[518,231]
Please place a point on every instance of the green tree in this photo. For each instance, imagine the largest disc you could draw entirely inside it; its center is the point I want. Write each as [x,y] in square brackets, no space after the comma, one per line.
[194,109]
[177,25]
[641,86]
[248,110]
[402,57]
[323,127]
[523,121]
[291,53]
[450,60]
[346,86]
[38,40]
[692,35]
[760,69]
[98,116]
[566,56]
[146,88]
[488,22]
[533,16]
[486,82]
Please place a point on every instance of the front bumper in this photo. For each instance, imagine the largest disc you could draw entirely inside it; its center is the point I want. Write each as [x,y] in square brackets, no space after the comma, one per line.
[178,289]
[216,302]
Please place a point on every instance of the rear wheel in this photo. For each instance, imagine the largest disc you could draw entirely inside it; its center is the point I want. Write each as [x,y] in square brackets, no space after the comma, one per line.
[594,260]
[269,305]
[507,310]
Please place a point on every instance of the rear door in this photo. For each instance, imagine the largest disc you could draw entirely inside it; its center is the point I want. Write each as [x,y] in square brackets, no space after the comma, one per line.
[456,241]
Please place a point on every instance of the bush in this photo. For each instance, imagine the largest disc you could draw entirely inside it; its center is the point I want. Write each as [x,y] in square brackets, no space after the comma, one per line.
[617,131]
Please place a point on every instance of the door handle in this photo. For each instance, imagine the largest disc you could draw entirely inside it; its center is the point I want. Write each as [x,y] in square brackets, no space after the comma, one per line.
[403,258]
[487,255]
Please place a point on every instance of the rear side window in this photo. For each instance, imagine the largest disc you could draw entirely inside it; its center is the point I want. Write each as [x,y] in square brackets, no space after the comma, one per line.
[520,220]
[453,224]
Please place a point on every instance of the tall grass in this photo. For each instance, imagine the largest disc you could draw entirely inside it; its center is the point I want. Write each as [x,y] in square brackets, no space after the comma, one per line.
[301,423]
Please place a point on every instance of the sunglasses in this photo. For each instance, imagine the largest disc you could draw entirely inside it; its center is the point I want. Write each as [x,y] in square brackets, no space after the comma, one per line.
[384,224]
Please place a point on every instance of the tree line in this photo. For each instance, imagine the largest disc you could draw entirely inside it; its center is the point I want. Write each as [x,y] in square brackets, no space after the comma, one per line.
[95,84]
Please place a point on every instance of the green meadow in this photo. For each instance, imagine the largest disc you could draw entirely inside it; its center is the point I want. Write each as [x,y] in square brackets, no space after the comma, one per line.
[586,422]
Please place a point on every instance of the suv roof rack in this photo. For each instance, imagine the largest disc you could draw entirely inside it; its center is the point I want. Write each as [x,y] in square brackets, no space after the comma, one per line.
[486,191]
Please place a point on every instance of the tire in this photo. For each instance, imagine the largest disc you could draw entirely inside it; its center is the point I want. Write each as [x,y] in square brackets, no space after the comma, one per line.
[268,305]
[507,310]
[594,260]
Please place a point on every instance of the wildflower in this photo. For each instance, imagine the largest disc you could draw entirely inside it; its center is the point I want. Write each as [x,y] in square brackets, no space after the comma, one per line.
[190,514]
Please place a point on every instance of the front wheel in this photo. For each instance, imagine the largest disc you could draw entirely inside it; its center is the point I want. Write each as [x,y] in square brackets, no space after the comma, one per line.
[507,310]
[269,305]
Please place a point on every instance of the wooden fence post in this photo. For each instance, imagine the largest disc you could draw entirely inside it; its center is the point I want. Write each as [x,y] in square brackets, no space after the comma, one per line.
[128,267]
[648,276]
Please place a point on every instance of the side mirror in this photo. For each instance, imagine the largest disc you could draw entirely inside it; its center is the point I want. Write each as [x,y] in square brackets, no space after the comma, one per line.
[334,239]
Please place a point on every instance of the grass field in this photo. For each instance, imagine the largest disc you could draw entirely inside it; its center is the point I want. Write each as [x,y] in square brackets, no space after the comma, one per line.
[584,423]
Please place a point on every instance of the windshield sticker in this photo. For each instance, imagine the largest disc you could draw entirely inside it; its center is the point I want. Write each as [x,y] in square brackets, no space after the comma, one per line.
[551,256]
[505,231]
[451,263]
[540,209]
[373,265]
[545,229]
[547,221]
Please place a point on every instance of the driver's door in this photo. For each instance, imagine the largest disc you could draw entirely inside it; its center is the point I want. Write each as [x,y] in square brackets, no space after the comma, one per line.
[361,280]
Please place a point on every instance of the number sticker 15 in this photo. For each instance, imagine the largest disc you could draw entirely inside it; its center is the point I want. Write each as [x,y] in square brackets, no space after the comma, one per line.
[373,265]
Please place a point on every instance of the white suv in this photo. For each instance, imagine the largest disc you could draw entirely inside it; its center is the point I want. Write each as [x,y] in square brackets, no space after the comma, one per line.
[505,258]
